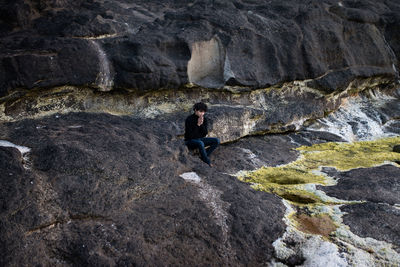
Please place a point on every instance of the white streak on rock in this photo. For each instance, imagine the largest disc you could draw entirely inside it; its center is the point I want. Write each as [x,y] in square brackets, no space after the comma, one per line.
[212,198]
[228,73]
[98,37]
[252,157]
[298,123]
[104,78]
[353,121]
[380,96]
[21,149]
[366,251]
[395,69]
[392,56]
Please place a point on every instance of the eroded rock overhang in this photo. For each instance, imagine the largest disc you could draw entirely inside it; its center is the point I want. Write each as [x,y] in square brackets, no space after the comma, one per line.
[235,112]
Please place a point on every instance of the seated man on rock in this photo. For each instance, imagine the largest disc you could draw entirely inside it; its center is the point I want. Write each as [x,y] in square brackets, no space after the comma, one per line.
[196,131]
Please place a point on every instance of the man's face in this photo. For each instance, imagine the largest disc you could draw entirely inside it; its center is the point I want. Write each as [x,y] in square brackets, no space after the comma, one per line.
[199,113]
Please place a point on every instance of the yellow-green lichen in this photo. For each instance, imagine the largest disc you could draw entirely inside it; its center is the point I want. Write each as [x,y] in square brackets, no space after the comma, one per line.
[347,156]
[289,181]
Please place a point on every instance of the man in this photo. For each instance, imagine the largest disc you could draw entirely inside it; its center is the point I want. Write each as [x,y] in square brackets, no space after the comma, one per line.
[196,131]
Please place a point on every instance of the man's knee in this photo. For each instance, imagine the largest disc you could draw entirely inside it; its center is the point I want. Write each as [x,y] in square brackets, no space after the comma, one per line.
[200,144]
[196,144]
[215,141]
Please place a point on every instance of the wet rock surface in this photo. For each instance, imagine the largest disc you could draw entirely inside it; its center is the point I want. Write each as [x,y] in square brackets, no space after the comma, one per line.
[104,190]
[147,45]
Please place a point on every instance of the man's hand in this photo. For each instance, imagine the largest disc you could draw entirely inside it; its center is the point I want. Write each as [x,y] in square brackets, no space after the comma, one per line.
[200,121]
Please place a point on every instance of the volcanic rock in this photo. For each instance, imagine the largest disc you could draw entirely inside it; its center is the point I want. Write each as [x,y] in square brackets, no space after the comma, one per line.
[376,220]
[91,188]
[378,185]
[105,190]
[149,45]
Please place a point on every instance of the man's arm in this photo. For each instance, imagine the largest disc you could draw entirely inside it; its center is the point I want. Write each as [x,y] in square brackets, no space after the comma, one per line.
[203,129]
[189,128]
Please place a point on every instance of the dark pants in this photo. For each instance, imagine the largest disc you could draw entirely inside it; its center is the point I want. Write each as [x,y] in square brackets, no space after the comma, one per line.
[201,143]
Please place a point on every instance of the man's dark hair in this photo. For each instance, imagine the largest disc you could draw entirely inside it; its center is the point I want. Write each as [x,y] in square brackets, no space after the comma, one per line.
[200,107]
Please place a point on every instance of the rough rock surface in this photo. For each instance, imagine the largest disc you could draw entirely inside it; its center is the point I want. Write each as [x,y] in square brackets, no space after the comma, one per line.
[234,115]
[102,190]
[97,189]
[148,45]
[377,220]
[379,187]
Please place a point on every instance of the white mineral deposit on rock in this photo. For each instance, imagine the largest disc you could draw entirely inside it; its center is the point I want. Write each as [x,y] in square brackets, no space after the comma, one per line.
[283,251]
[104,78]
[252,157]
[355,250]
[228,73]
[392,56]
[318,252]
[366,251]
[212,198]
[206,66]
[312,248]
[21,149]
[355,120]
[298,123]
[191,177]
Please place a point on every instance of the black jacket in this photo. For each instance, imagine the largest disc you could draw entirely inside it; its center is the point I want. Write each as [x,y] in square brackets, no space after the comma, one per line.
[192,131]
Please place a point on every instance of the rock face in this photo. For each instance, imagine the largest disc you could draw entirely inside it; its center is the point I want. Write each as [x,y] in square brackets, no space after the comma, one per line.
[158,58]
[378,187]
[376,220]
[148,45]
[93,95]
[105,190]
